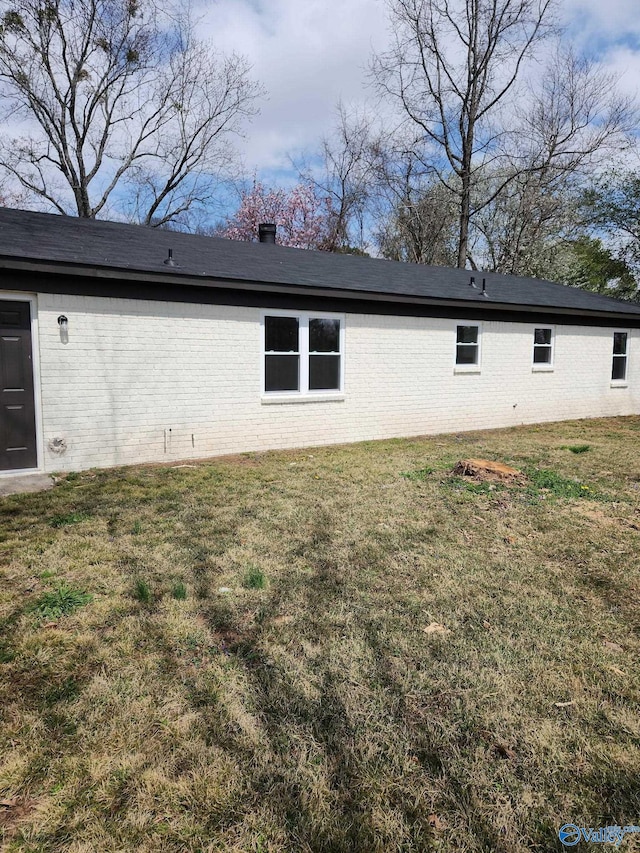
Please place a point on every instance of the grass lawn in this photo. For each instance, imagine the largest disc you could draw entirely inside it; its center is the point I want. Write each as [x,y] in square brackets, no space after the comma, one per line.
[336,649]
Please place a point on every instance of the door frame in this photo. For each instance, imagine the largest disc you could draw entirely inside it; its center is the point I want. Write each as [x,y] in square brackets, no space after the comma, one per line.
[32,299]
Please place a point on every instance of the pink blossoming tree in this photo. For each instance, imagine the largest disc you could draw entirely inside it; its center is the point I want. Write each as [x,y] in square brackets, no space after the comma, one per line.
[303,216]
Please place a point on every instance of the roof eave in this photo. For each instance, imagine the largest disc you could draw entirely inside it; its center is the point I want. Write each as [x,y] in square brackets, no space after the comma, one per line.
[57,268]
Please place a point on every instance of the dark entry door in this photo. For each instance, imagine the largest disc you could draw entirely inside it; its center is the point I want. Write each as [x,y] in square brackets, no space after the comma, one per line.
[17,408]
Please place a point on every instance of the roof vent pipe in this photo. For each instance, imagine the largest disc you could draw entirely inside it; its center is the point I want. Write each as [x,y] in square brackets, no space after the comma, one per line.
[169,259]
[484,288]
[267,232]
[472,281]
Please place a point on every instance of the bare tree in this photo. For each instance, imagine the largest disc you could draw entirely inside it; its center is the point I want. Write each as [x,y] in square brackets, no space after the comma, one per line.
[421,231]
[493,138]
[451,68]
[520,231]
[344,178]
[10,195]
[572,122]
[118,105]
[414,214]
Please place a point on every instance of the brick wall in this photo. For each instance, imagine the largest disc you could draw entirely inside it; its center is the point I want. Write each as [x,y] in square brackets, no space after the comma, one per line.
[154,381]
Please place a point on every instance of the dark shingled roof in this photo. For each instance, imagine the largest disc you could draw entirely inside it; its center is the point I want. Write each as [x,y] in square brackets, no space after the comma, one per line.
[43,238]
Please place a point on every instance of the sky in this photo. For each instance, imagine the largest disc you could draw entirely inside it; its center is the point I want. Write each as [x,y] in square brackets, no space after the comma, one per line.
[310,54]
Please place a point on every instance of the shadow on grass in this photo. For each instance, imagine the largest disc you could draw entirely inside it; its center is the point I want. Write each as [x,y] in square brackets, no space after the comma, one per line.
[356,818]
[328,789]
[340,805]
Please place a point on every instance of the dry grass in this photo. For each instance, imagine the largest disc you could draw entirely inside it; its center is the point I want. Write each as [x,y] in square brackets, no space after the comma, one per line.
[306,708]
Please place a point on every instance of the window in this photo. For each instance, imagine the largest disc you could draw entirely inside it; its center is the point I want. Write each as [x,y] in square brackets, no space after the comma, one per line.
[543,346]
[302,353]
[619,366]
[282,354]
[324,354]
[468,345]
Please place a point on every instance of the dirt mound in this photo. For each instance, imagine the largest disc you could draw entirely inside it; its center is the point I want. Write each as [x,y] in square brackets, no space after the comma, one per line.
[485,469]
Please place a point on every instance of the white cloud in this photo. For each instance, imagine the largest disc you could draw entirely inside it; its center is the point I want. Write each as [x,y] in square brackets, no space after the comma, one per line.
[308,55]
[602,19]
[624,64]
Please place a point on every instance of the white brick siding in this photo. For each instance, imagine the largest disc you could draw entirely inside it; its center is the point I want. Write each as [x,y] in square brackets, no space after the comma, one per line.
[155,381]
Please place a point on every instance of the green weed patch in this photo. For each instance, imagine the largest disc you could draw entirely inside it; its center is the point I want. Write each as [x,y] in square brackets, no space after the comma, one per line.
[549,482]
[142,591]
[69,518]
[179,591]
[61,601]
[254,578]
[419,475]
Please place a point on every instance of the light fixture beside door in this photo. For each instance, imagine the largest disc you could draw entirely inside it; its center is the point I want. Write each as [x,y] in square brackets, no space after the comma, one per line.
[63,324]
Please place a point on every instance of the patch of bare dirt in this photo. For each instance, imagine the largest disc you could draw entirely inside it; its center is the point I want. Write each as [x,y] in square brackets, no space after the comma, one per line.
[594,514]
[12,812]
[242,460]
[230,640]
[600,517]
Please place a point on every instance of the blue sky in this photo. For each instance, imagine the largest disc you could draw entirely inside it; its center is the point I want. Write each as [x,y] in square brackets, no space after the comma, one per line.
[309,54]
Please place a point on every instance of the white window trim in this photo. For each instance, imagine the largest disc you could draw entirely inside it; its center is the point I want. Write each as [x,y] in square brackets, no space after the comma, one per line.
[467,368]
[621,383]
[32,299]
[304,395]
[549,366]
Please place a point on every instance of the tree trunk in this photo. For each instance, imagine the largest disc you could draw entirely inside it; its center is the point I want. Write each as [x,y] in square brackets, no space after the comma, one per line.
[465,215]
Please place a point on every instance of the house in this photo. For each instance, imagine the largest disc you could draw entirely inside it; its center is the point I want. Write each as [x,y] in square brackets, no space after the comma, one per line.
[123,344]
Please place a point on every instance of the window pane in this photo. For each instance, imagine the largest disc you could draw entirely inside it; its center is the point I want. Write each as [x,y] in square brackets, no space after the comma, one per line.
[619,370]
[467,335]
[619,343]
[467,354]
[324,372]
[281,372]
[281,334]
[324,335]
[542,336]
[542,355]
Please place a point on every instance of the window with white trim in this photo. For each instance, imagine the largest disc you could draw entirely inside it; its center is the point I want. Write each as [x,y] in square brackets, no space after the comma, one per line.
[468,345]
[543,346]
[620,355]
[303,353]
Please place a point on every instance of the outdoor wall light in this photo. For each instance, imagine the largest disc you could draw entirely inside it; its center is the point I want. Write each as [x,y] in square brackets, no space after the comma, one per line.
[63,324]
